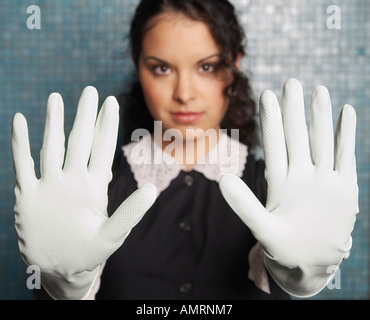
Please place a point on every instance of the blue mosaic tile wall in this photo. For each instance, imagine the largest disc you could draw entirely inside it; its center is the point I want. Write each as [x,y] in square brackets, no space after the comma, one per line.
[83,43]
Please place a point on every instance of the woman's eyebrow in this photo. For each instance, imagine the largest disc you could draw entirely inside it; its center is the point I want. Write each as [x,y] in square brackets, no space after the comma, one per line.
[198,62]
[209,57]
[155,58]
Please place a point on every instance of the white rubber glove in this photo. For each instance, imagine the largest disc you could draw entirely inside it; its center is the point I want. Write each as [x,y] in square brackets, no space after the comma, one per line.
[61,219]
[311,203]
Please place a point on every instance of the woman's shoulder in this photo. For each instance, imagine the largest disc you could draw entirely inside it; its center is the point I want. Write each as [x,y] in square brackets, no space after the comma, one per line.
[255,164]
[122,184]
[254,175]
[123,159]
[120,164]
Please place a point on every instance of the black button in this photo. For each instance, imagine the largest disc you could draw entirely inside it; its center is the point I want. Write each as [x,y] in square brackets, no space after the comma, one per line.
[186,287]
[188,180]
[185,226]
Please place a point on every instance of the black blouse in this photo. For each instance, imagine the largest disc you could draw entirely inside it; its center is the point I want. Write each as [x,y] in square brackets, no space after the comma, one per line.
[189,245]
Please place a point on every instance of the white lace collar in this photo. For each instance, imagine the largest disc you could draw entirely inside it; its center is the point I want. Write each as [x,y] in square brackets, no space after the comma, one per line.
[228,156]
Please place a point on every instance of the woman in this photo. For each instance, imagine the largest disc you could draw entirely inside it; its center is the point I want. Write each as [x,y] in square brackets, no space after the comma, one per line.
[190,244]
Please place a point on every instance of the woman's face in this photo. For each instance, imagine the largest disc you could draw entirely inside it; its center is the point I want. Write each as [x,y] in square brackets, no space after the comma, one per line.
[179,72]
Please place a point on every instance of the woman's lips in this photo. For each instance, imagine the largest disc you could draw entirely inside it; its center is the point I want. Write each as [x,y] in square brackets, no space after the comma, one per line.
[186,117]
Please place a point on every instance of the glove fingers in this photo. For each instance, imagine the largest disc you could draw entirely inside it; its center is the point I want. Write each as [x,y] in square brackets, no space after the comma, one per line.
[81,136]
[273,138]
[22,159]
[295,128]
[345,138]
[321,129]
[128,214]
[245,204]
[52,151]
[105,138]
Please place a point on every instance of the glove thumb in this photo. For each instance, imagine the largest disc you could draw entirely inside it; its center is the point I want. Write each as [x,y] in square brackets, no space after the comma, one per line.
[245,204]
[129,213]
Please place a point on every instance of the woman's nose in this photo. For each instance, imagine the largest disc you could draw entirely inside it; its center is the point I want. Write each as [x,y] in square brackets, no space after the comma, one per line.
[185,90]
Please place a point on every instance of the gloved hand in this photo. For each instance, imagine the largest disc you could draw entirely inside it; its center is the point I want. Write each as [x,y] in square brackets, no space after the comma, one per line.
[61,219]
[312,203]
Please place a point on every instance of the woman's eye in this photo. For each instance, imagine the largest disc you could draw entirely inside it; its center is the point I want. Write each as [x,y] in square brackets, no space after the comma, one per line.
[207,68]
[161,70]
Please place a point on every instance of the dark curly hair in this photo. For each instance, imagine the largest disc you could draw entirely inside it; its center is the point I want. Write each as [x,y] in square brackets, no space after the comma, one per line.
[220,17]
